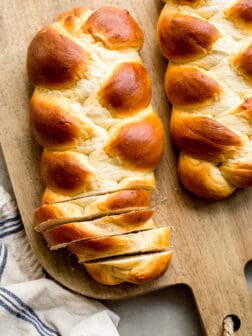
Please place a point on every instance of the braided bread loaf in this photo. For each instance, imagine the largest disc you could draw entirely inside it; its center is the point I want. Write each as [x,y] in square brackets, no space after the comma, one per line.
[102,139]
[208,81]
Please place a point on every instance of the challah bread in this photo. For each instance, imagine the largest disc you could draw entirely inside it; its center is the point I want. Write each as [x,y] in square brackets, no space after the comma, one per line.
[89,207]
[135,269]
[132,243]
[101,138]
[95,122]
[208,82]
[61,235]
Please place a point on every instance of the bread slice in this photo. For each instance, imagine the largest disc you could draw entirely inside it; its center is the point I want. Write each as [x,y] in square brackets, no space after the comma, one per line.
[64,234]
[140,242]
[86,208]
[137,269]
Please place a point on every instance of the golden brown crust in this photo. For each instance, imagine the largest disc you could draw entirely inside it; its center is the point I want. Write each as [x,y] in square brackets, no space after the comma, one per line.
[97,165]
[51,125]
[47,212]
[67,120]
[93,206]
[127,91]
[243,62]
[146,182]
[55,61]
[140,242]
[127,198]
[187,2]
[64,234]
[208,123]
[139,144]
[238,173]
[136,217]
[241,13]
[65,172]
[203,138]
[187,85]
[115,28]
[184,37]
[137,269]
[203,178]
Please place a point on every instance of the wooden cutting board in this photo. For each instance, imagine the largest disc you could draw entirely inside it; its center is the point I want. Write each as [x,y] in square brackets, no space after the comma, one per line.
[212,241]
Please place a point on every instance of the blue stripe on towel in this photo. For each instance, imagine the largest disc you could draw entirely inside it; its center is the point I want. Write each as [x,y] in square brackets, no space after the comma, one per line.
[6,220]
[3,259]
[9,224]
[12,229]
[21,310]
[20,316]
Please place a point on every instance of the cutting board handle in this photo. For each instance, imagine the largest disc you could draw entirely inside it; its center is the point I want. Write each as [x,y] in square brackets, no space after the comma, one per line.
[221,297]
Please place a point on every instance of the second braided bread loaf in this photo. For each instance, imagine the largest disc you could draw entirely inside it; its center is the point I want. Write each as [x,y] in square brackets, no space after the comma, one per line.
[208,81]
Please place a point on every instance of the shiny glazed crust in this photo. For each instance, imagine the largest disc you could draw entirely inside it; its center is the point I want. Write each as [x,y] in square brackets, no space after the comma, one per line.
[208,81]
[140,242]
[90,109]
[101,138]
[49,215]
[136,269]
[64,234]
[114,27]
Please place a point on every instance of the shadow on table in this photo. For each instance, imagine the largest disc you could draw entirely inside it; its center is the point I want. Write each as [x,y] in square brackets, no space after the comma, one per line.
[248,273]
[168,312]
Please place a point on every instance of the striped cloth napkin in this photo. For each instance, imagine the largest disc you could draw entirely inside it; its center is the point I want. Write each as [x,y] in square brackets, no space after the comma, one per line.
[30,303]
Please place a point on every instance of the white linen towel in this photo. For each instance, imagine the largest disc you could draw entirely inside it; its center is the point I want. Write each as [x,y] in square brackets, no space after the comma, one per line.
[30,303]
